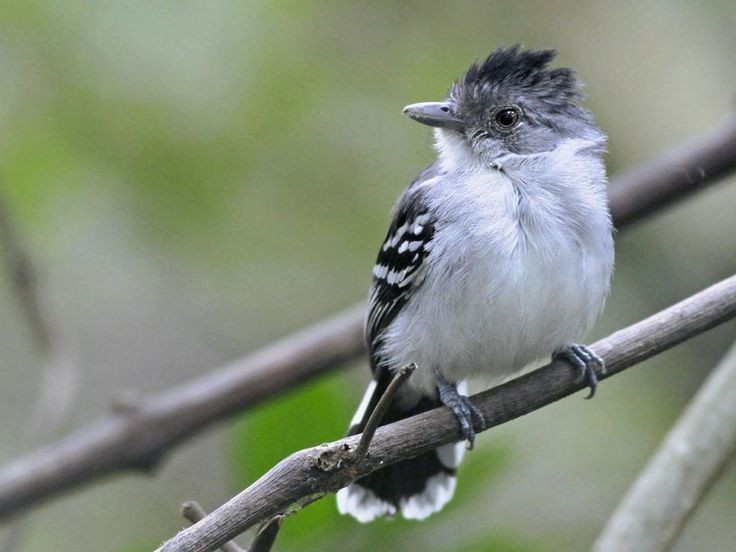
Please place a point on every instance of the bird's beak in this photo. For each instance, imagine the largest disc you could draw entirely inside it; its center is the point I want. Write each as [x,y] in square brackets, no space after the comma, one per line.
[435,114]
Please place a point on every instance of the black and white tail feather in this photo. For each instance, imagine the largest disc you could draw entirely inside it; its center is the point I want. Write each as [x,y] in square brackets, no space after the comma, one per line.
[415,488]
[418,487]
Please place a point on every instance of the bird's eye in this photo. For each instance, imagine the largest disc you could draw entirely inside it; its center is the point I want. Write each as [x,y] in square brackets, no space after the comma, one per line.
[508,117]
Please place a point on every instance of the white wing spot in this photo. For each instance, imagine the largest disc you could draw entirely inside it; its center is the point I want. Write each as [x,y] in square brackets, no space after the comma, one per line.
[396,238]
[413,246]
[380,271]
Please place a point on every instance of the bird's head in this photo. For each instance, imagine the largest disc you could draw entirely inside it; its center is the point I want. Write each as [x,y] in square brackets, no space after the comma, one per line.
[509,103]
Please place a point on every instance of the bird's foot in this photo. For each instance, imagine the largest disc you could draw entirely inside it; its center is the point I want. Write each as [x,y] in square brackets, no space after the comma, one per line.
[465,411]
[585,360]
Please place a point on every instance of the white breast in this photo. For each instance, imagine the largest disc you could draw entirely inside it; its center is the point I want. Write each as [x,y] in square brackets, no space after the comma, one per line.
[520,264]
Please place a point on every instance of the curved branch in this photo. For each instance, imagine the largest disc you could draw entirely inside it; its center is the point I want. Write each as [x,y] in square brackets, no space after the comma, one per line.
[22,275]
[692,456]
[312,473]
[674,174]
[139,435]
[59,375]
[194,512]
[140,432]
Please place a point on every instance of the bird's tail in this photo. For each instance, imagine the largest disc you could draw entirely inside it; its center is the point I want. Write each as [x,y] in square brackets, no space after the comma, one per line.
[417,487]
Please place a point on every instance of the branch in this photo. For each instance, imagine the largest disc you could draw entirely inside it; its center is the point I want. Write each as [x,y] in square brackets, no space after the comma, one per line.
[380,410]
[262,542]
[140,436]
[674,174]
[194,512]
[692,456]
[23,278]
[266,535]
[59,377]
[301,478]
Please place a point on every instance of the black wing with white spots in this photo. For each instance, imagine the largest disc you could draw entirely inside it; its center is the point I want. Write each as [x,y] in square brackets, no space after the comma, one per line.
[400,267]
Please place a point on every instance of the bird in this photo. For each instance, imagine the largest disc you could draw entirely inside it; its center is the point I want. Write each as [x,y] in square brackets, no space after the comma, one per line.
[498,254]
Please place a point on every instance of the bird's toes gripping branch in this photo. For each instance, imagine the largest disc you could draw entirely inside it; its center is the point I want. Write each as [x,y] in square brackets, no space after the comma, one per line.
[585,360]
[465,411]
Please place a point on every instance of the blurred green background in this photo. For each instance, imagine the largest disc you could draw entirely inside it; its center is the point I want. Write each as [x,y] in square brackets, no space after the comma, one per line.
[196,179]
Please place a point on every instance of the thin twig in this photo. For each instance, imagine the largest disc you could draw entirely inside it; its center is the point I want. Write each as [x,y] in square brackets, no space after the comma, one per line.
[380,410]
[299,479]
[22,275]
[266,535]
[262,542]
[141,437]
[674,174]
[59,375]
[194,512]
[689,461]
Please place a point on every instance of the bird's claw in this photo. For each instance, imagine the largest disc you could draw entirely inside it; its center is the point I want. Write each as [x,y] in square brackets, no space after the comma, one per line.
[465,411]
[585,360]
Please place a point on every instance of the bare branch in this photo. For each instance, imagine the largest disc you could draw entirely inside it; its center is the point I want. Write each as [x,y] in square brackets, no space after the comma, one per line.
[263,541]
[23,277]
[194,512]
[59,377]
[137,436]
[267,534]
[140,436]
[692,456]
[674,174]
[377,415]
[300,479]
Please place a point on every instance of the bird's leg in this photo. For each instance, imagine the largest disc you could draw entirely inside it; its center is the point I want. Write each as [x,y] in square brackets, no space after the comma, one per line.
[465,411]
[585,360]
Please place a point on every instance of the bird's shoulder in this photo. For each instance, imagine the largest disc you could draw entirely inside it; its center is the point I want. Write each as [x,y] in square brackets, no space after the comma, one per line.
[400,266]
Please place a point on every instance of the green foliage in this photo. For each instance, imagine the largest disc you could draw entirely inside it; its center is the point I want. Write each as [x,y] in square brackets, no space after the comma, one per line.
[479,469]
[141,546]
[499,543]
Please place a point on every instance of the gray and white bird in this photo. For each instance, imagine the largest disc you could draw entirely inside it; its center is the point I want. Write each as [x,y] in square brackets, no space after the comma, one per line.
[498,254]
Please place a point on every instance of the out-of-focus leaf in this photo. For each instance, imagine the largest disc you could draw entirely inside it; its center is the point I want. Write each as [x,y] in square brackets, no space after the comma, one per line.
[499,543]
[38,167]
[479,468]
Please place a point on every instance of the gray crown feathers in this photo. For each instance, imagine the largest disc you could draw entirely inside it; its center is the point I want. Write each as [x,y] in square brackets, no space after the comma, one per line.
[510,70]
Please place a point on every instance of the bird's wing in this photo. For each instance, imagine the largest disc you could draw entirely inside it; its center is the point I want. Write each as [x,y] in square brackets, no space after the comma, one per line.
[400,267]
